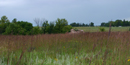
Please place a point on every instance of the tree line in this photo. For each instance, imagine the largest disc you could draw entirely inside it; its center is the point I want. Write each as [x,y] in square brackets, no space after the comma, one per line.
[15,27]
[74,24]
[116,23]
[25,28]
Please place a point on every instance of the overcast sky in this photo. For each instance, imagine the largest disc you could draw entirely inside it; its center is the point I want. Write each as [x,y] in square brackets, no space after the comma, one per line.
[82,11]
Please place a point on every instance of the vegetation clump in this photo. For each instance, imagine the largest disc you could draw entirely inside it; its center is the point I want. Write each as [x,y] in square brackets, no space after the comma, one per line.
[76,29]
[102,29]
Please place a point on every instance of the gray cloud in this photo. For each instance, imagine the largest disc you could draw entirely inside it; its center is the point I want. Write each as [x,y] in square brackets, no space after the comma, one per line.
[84,11]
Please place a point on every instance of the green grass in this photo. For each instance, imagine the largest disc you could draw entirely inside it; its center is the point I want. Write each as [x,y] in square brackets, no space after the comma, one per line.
[96,29]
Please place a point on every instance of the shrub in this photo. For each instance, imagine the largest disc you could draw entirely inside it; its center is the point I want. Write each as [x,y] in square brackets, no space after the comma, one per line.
[3,27]
[76,29]
[14,29]
[102,29]
[35,31]
[67,28]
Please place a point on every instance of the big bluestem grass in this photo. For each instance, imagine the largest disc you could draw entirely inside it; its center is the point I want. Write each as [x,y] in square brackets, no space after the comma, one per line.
[66,49]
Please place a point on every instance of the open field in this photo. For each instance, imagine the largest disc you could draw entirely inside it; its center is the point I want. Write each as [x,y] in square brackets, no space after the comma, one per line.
[96,29]
[64,49]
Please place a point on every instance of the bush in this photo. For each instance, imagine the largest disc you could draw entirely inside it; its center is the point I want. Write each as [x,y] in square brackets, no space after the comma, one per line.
[35,31]
[14,29]
[102,29]
[76,29]
[3,27]
[67,28]
[50,28]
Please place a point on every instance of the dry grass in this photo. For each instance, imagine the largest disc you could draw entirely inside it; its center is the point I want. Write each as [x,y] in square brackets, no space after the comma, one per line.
[86,48]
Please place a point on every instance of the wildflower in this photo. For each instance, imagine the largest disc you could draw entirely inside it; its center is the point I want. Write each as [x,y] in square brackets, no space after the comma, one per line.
[76,57]
[64,46]
[56,59]
[128,59]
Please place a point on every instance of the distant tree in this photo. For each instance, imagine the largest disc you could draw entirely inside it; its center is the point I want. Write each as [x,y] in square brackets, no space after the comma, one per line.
[14,20]
[73,24]
[112,23]
[44,26]
[118,23]
[86,25]
[78,24]
[39,21]
[91,24]
[103,24]
[50,28]
[107,24]
[4,19]
[123,22]
[127,23]
[83,24]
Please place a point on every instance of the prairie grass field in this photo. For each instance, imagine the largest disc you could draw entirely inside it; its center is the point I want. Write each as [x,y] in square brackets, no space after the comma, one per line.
[96,29]
[90,48]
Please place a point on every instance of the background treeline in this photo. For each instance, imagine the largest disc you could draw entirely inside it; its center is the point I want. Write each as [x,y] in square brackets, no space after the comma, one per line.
[25,28]
[116,23]
[43,27]
[81,24]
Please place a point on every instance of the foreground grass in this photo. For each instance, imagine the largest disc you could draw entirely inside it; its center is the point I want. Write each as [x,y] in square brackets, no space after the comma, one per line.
[96,29]
[64,49]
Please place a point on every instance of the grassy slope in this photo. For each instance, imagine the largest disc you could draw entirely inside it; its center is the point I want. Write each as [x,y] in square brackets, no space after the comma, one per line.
[96,29]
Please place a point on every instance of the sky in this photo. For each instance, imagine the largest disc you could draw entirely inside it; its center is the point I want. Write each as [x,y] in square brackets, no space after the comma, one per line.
[80,11]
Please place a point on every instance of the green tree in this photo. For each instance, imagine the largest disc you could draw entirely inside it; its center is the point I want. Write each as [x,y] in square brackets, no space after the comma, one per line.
[83,24]
[25,25]
[103,24]
[4,19]
[14,29]
[14,20]
[67,28]
[35,31]
[44,26]
[91,24]
[60,23]
[50,28]
[118,23]
[3,26]
[73,24]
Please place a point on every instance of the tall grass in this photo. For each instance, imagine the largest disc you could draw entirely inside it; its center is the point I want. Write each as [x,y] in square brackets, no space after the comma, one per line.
[66,49]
